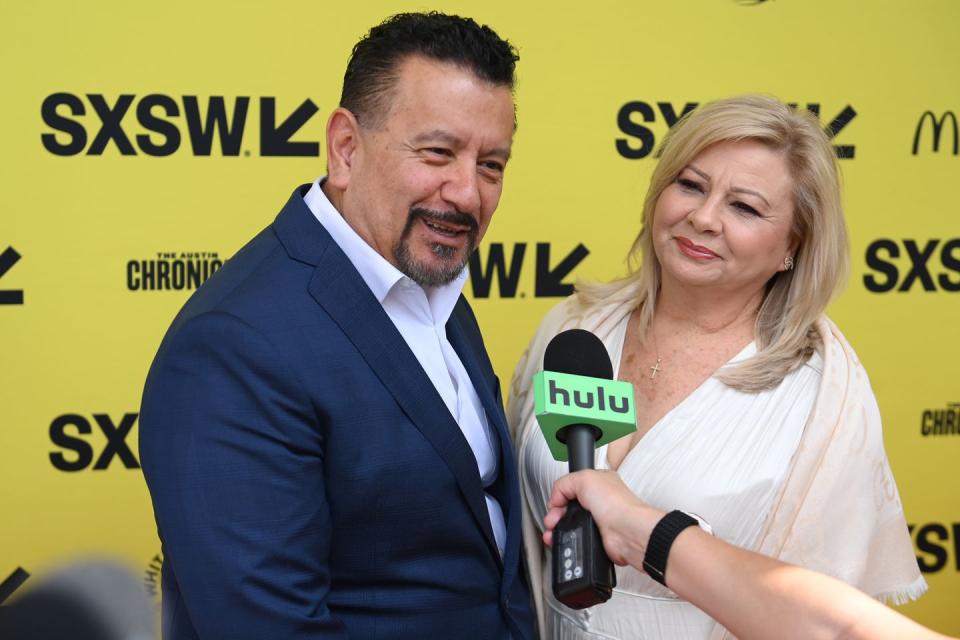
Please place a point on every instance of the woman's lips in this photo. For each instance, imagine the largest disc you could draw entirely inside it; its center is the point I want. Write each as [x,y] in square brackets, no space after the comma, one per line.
[693,250]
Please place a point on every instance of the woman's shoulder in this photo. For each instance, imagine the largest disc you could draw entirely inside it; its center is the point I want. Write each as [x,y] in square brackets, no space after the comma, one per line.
[834,346]
[844,375]
[572,310]
[579,311]
[569,313]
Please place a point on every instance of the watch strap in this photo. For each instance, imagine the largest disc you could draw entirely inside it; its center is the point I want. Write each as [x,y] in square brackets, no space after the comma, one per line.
[661,539]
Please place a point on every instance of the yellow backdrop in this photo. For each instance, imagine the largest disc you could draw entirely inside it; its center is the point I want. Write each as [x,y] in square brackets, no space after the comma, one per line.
[144,144]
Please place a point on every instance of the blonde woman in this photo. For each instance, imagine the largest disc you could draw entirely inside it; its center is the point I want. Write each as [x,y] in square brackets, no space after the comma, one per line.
[754,412]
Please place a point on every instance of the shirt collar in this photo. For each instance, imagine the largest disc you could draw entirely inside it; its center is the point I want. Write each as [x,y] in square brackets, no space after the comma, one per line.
[379,275]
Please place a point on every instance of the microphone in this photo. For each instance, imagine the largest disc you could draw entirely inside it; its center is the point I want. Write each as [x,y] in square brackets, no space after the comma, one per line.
[580,407]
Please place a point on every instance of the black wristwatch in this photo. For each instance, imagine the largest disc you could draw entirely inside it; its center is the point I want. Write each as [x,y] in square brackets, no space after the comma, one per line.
[661,539]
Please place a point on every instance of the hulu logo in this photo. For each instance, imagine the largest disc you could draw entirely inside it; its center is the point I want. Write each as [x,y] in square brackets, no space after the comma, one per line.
[562,399]
[588,399]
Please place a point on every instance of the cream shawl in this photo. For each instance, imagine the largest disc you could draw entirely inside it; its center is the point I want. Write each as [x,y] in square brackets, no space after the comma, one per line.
[838,511]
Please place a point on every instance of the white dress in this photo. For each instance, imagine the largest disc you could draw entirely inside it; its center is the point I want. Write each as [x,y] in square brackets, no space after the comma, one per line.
[721,454]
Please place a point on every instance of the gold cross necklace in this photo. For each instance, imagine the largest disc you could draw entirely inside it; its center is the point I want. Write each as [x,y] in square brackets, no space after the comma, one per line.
[655,369]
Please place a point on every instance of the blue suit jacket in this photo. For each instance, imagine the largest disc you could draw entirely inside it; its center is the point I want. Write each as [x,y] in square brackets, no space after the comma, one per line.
[307,479]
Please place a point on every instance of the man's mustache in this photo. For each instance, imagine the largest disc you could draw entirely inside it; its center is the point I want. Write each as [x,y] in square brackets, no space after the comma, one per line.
[457,218]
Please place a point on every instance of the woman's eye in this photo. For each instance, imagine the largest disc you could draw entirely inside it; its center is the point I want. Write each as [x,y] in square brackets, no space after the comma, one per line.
[744,207]
[691,185]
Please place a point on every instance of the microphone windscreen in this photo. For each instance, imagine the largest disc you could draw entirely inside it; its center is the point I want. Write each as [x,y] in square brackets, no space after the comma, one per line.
[578,352]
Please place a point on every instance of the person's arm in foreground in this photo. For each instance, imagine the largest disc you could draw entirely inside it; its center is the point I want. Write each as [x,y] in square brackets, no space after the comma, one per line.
[750,594]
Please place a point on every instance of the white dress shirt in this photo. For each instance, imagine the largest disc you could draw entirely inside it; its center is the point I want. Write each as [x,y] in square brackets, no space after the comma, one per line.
[420,316]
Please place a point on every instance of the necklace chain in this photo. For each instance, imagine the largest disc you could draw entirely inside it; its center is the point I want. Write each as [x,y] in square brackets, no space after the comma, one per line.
[655,369]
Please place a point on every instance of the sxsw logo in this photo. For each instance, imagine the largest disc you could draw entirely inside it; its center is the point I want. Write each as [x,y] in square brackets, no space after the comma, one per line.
[8,258]
[936,542]
[937,127]
[633,117]
[69,433]
[92,123]
[496,266]
[932,264]
[12,582]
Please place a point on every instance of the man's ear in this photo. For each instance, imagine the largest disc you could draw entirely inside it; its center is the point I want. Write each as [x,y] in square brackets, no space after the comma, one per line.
[343,140]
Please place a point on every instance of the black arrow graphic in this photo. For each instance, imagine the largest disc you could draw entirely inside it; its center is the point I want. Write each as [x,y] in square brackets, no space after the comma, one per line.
[13,582]
[549,282]
[7,259]
[275,140]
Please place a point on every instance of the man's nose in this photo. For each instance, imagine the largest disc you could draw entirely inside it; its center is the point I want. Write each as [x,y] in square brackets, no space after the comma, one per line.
[462,187]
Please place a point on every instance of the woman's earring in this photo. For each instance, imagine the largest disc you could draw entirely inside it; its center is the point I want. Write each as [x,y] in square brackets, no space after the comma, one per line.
[788,263]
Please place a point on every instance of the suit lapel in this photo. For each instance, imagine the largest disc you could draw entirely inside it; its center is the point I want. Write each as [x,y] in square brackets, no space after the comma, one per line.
[506,485]
[345,297]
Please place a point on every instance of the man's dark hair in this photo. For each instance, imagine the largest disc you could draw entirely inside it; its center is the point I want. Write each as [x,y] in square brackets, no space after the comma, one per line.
[372,69]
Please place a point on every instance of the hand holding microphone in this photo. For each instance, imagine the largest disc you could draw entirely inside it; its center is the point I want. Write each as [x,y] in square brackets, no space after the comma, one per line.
[624,521]
[579,407]
[753,596]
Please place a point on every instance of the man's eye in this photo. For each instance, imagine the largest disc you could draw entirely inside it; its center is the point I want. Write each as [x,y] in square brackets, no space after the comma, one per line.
[492,165]
[438,151]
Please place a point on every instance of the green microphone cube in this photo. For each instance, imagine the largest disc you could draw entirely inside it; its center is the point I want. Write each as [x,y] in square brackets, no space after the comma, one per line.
[562,399]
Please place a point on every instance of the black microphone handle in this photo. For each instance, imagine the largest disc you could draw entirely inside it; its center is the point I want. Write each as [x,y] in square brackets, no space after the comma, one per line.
[583,575]
[581,441]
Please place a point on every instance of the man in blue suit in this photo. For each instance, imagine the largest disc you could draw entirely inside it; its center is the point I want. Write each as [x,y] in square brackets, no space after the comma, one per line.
[322,432]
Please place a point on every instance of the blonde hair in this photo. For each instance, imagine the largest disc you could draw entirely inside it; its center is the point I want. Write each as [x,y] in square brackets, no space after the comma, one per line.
[785,332]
